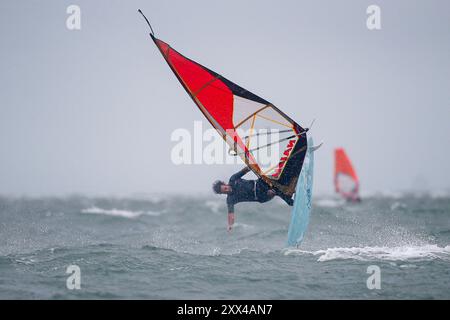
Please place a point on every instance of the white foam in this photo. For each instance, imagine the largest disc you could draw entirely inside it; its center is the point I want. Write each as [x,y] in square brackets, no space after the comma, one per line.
[329,203]
[398,206]
[27,261]
[214,206]
[383,194]
[243,226]
[401,253]
[119,213]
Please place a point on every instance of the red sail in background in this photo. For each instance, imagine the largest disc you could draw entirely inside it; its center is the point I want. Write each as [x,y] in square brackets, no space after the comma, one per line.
[346,181]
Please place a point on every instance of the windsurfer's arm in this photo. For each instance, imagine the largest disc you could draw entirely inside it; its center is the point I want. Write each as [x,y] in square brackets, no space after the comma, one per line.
[239,174]
[230,221]
[230,206]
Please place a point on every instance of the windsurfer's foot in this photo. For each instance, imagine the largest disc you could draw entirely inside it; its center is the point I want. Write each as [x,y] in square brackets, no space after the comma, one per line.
[289,201]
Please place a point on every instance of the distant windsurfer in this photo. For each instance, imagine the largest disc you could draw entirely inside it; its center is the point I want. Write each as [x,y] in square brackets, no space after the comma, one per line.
[242,190]
[354,196]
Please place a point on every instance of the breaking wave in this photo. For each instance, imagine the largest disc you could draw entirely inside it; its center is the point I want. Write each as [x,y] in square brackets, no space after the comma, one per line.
[401,253]
[119,213]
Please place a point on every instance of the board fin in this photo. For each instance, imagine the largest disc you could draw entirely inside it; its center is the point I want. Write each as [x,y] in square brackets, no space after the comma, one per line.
[314,148]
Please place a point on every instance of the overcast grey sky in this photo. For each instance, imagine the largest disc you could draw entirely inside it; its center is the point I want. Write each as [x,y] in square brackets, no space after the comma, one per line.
[91,111]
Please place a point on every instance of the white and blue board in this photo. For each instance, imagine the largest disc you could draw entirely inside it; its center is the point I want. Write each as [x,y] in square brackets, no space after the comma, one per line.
[303,199]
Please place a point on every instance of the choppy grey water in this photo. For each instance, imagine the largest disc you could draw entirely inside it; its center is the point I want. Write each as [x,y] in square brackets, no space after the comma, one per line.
[176,247]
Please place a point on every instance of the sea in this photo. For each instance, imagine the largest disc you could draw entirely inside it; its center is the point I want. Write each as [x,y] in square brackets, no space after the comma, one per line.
[173,246]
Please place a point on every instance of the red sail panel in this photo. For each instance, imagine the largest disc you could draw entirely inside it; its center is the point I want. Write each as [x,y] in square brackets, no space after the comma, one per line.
[213,94]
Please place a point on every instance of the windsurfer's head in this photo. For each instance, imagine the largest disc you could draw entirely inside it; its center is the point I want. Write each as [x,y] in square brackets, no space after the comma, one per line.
[221,187]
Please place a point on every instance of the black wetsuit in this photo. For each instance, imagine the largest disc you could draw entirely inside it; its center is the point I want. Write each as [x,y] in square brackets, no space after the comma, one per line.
[249,190]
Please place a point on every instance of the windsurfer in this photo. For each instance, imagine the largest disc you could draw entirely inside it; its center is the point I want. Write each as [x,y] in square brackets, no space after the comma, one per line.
[242,190]
[346,181]
[354,197]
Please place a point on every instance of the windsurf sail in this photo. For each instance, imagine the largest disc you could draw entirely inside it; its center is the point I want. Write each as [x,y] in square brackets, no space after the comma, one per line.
[241,118]
[346,181]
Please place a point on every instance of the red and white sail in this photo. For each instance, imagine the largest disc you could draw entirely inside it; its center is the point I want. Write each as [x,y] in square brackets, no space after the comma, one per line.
[346,181]
[232,110]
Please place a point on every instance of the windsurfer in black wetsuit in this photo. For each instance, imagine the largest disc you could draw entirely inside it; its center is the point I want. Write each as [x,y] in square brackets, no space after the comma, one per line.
[242,190]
